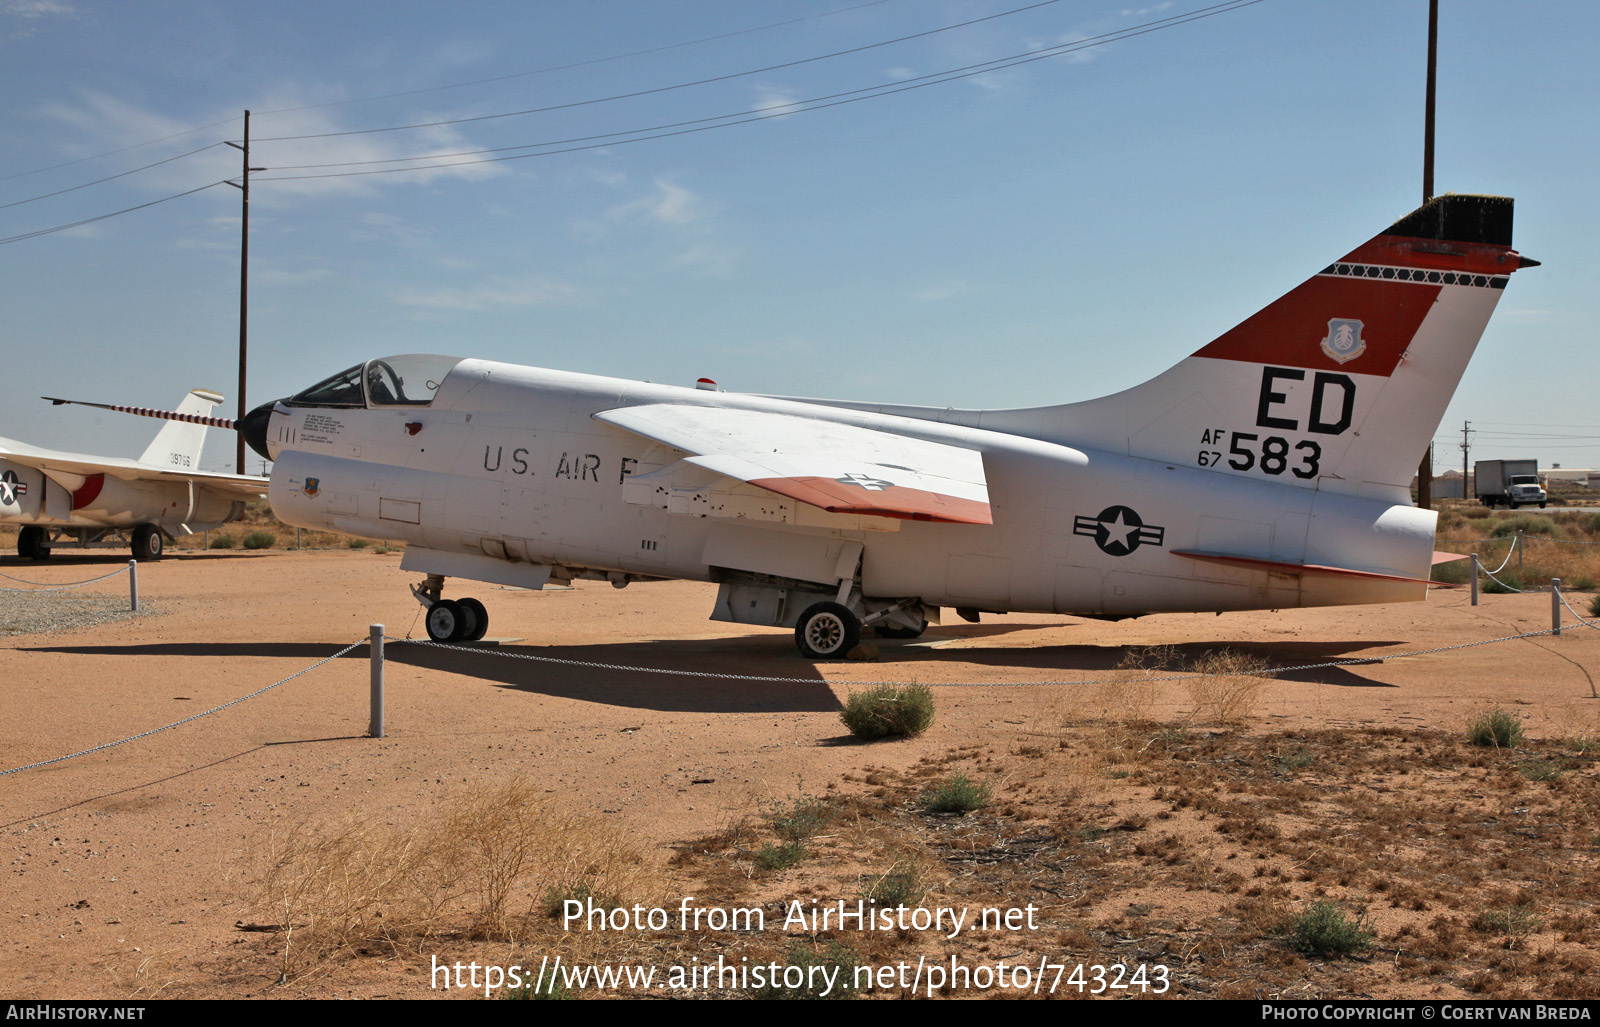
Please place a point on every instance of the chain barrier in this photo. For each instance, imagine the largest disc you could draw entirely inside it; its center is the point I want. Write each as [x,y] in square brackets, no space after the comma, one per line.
[1513,538]
[1576,616]
[1270,672]
[786,679]
[1497,581]
[197,716]
[44,586]
[1507,560]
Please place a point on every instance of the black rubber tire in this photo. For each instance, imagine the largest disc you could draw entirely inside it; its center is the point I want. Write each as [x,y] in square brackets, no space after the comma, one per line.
[445,621]
[32,543]
[147,542]
[827,631]
[478,616]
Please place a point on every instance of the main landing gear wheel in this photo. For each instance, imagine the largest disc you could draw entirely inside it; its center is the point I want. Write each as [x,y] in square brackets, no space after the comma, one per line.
[445,621]
[147,542]
[33,543]
[479,615]
[827,631]
[457,620]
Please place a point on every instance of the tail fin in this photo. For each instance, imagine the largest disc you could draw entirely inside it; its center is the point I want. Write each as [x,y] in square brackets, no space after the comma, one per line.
[1340,384]
[177,445]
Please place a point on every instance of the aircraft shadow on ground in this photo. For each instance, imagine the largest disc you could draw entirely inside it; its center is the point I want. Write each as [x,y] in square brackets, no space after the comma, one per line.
[65,557]
[702,690]
[692,691]
[1088,657]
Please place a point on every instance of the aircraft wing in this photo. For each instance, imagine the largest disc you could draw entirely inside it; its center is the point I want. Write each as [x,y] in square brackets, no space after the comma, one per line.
[71,470]
[840,468]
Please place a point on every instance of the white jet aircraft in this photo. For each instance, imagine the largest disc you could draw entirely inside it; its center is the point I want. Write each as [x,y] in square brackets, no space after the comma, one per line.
[1269,469]
[91,498]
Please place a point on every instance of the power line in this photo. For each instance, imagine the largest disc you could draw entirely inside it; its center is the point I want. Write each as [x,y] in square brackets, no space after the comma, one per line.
[703,124]
[113,153]
[457,85]
[101,217]
[577,64]
[662,89]
[1531,424]
[689,127]
[108,178]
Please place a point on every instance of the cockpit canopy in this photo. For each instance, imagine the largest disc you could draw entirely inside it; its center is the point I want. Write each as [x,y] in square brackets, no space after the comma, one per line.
[404,381]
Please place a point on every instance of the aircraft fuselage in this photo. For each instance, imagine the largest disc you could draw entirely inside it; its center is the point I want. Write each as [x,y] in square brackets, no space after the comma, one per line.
[507,474]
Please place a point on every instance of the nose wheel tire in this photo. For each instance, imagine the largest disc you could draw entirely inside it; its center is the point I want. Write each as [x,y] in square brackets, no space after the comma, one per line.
[827,631]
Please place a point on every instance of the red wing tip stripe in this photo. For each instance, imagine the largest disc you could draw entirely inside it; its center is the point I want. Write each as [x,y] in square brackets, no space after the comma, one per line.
[1296,568]
[896,501]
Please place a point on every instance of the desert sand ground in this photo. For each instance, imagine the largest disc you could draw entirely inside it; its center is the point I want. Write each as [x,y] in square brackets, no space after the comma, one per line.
[135,871]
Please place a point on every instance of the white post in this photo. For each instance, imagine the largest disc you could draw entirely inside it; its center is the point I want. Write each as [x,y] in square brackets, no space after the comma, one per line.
[375,723]
[1555,606]
[133,585]
[1519,550]
[1474,579]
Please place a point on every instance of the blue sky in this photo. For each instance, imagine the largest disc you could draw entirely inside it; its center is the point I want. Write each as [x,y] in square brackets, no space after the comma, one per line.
[1047,232]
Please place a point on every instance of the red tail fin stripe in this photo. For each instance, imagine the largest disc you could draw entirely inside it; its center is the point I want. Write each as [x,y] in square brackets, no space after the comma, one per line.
[1290,332]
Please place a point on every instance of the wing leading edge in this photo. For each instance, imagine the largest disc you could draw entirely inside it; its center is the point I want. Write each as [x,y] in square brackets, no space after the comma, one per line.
[840,468]
[70,470]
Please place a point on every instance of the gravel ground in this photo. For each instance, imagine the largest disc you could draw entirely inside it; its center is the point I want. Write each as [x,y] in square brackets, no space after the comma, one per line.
[30,613]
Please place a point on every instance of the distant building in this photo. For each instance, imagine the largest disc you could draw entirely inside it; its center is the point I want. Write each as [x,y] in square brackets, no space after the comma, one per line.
[1583,476]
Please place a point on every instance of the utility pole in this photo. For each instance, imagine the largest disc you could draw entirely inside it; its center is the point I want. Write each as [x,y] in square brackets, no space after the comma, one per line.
[1425,471]
[1464,445]
[243,185]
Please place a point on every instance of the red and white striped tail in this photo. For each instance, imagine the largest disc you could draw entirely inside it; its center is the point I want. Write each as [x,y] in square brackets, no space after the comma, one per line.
[1338,385]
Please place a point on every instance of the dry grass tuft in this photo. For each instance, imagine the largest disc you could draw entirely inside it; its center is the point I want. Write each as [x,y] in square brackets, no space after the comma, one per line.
[336,889]
[1227,694]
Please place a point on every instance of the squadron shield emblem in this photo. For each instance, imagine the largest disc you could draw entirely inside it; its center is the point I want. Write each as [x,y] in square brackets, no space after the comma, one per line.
[312,486]
[1343,342]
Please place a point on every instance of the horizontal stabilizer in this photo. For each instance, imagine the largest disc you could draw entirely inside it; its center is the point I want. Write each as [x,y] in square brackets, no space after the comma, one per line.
[1280,567]
[840,468]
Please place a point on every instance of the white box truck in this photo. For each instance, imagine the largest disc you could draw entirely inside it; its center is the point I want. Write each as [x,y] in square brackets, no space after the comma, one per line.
[1510,483]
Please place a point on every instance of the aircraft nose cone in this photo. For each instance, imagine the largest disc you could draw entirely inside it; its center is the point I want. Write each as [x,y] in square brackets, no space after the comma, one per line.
[254,428]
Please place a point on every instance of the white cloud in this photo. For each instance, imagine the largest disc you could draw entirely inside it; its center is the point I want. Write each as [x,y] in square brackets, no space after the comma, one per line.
[32,10]
[500,292]
[773,98]
[668,204]
[709,258]
[107,122]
